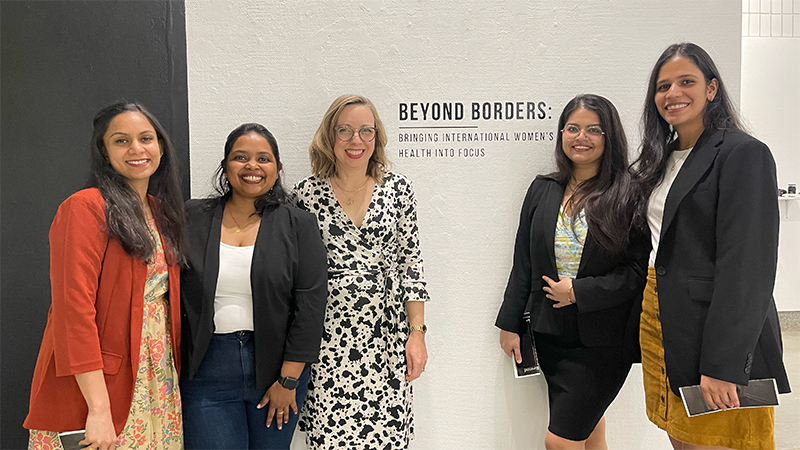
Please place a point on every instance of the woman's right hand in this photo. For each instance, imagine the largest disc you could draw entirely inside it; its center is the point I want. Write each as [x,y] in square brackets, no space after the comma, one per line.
[719,394]
[100,432]
[509,342]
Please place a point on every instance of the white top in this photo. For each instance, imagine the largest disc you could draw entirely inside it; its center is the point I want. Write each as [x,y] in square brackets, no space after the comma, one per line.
[233,302]
[655,207]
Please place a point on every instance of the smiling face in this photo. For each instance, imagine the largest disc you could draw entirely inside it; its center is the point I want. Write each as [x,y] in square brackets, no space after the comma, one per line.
[586,149]
[251,167]
[132,148]
[682,95]
[354,155]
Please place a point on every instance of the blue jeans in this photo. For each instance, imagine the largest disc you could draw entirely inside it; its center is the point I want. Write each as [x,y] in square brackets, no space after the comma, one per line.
[219,403]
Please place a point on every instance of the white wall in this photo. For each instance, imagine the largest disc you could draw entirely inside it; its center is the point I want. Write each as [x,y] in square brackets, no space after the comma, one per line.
[771,107]
[282,63]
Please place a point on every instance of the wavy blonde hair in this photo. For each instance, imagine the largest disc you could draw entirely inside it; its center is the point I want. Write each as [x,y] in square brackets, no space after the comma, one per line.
[323,160]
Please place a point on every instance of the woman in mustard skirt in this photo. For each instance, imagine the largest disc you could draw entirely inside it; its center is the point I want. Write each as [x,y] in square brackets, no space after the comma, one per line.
[708,316]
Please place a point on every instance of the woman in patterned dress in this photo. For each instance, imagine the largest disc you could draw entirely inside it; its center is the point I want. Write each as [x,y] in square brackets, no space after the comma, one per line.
[373,344]
[579,267]
[113,327]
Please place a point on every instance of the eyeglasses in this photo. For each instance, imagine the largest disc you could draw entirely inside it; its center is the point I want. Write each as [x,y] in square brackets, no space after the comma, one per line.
[571,132]
[345,133]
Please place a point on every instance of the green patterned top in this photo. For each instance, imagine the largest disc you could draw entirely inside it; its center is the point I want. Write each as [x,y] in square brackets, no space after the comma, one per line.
[569,245]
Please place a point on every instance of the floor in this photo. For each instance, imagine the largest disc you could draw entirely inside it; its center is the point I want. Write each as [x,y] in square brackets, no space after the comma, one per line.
[787,415]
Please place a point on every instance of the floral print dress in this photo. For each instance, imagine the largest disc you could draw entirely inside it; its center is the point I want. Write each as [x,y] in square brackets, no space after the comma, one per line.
[154,421]
[358,396]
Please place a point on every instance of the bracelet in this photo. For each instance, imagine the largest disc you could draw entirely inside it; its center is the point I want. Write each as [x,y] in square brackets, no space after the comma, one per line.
[571,298]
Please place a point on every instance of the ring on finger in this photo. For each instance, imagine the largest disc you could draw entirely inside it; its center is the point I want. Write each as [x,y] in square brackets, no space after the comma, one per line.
[280,413]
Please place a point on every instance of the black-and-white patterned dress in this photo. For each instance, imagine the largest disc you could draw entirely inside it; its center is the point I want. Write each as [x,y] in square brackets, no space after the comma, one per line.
[358,396]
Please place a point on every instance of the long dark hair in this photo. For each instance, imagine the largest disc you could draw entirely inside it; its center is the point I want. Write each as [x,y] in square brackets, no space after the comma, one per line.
[124,213]
[275,196]
[658,137]
[609,198]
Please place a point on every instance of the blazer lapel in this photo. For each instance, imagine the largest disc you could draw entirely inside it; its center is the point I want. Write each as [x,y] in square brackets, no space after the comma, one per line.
[547,223]
[588,252]
[211,262]
[698,162]
[262,240]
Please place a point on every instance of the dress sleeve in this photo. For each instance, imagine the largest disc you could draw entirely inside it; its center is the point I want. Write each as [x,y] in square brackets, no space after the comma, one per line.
[292,197]
[409,256]
[746,260]
[310,293]
[518,288]
[78,241]
[295,197]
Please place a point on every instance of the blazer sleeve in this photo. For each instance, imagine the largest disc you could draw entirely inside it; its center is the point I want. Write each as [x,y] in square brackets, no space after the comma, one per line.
[310,293]
[518,288]
[746,261]
[78,241]
[622,283]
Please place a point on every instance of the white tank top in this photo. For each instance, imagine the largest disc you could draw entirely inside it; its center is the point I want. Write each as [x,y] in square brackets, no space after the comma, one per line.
[233,301]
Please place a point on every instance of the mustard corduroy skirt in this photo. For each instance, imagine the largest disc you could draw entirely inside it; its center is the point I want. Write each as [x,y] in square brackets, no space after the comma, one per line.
[746,429]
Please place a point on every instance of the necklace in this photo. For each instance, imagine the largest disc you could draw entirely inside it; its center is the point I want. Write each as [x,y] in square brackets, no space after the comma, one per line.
[350,197]
[238,226]
[677,160]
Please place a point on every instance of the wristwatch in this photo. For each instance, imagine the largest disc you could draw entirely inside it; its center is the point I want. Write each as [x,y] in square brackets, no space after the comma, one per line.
[289,383]
[423,328]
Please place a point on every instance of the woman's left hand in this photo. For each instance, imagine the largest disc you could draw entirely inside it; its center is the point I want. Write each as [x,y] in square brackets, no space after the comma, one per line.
[559,291]
[416,355]
[280,401]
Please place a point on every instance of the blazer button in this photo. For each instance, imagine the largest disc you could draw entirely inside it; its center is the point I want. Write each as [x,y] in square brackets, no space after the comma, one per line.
[748,363]
[661,270]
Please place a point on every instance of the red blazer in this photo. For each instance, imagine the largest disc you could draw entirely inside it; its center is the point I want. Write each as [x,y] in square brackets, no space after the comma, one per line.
[95,318]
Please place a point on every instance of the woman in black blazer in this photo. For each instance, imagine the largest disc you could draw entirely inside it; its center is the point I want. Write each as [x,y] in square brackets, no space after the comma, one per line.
[579,267]
[708,313]
[253,302]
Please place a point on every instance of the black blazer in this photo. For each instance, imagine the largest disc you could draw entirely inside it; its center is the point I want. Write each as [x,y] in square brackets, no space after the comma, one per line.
[608,287]
[289,279]
[716,263]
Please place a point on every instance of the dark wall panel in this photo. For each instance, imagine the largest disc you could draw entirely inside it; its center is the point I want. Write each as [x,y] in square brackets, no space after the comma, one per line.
[60,61]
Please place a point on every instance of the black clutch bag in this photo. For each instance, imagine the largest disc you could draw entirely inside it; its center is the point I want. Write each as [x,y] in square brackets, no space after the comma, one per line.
[527,346]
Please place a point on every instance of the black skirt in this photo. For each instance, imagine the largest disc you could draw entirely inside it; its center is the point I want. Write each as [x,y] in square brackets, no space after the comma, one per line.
[581,381]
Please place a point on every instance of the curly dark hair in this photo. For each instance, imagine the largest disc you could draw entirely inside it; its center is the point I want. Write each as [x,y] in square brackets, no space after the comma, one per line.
[275,196]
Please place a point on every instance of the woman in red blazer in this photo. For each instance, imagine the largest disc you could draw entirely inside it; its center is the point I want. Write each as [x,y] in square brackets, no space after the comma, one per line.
[708,316]
[109,356]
